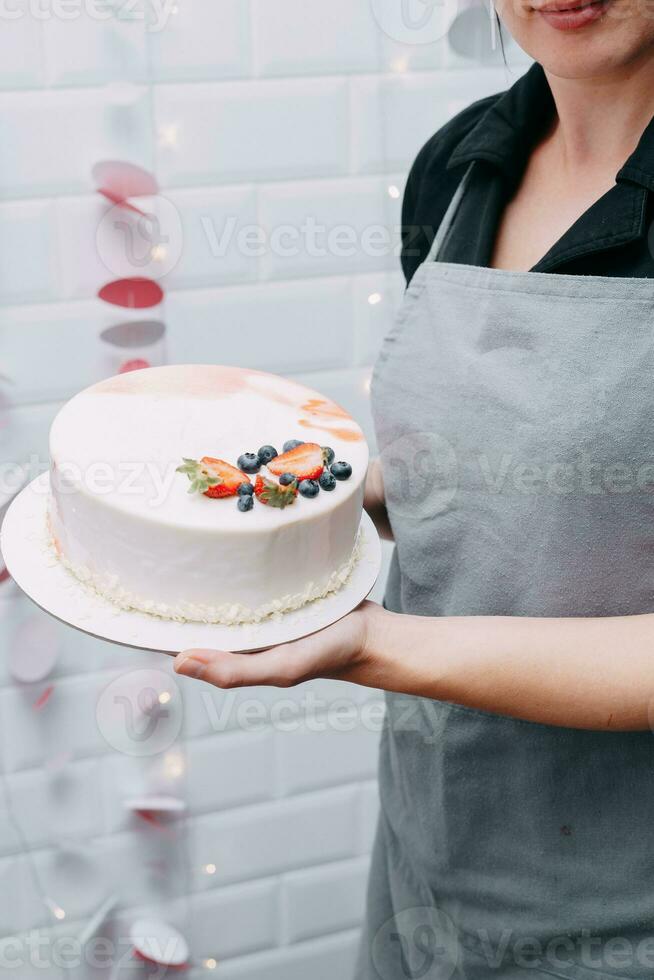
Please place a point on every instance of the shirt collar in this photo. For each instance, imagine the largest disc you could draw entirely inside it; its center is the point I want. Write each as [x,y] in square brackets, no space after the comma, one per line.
[507,131]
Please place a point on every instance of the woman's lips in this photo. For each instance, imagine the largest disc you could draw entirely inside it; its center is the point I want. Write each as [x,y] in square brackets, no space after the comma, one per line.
[570,15]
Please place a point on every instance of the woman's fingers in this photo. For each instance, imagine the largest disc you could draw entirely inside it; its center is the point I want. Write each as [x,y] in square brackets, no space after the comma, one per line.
[332,652]
[276,667]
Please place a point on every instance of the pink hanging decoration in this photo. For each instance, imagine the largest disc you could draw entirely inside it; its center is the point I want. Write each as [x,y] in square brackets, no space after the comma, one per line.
[115,199]
[123,180]
[134,333]
[134,293]
[137,364]
[44,698]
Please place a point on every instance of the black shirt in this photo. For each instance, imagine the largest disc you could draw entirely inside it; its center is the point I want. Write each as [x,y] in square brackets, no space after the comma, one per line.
[612,238]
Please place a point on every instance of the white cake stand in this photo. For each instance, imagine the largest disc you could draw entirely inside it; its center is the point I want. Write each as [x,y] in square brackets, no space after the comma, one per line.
[37,572]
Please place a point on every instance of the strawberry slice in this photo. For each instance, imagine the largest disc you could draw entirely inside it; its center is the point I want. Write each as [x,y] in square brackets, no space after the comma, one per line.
[306,462]
[273,494]
[212,477]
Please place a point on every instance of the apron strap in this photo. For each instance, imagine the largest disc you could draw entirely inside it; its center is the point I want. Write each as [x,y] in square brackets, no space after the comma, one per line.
[448,218]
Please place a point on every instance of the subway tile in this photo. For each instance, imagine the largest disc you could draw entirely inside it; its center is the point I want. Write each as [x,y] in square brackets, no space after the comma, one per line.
[327,227]
[282,327]
[214,224]
[233,921]
[239,131]
[59,806]
[229,769]
[28,252]
[324,959]
[323,900]
[394,115]
[295,37]
[71,353]
[21,60]
[57,136]
[200,40]
[336,749]
[94,46]
[271,837]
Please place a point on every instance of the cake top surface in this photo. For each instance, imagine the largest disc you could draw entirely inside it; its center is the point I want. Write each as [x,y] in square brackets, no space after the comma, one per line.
[122,440]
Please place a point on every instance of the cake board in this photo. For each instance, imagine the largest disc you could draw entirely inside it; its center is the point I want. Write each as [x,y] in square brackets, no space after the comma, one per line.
[36,570]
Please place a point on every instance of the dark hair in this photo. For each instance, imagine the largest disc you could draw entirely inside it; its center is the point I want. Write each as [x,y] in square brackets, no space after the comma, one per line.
[500,35]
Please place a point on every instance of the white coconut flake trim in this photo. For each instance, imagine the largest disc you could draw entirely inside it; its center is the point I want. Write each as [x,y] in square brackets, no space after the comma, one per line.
[227,614]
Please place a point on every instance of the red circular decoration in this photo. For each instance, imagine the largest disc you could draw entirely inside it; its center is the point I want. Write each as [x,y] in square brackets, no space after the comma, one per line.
[137,364]
[136,293]
[123,180]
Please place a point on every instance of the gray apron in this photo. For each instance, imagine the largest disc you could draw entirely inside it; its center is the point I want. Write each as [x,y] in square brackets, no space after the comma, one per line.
[515,425]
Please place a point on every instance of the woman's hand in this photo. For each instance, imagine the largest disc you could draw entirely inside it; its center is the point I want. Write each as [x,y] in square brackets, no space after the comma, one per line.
[341,651]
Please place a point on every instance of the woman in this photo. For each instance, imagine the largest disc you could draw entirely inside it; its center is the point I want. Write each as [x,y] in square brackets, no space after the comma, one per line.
[513,406]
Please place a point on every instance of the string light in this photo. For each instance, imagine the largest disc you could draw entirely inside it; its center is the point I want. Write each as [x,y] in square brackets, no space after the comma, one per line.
[168,135]
[158,253]
[173,765]
[210,869]
[210,964]
[164,697]
[374,299]
[394,192]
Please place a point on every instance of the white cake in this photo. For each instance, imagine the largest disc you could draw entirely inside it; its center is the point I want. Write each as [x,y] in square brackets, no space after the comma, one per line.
[122,518]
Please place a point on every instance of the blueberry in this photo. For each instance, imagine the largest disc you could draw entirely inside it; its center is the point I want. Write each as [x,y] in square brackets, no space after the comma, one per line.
[287,478]
[248,463]
[341,470]
[245,490]
[291,444]
[327,481]
[266,453]
[328,455]
[309,488]
[245,503]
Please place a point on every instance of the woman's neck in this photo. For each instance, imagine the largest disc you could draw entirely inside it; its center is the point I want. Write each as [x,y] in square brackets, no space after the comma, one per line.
[599,121]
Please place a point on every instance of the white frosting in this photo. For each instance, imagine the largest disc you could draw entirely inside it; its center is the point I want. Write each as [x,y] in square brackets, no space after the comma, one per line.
[122,518]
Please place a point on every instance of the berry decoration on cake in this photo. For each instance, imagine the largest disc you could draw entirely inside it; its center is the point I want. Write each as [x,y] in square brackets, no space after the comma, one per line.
[305,461]
[327,481]
[266,453]
[341,470]
[272,494]
[309,488]
[249,463]
[212,477]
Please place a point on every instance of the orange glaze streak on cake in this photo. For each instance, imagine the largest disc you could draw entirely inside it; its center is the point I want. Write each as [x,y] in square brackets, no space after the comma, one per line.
[347,435]
[198,381]
[324,409]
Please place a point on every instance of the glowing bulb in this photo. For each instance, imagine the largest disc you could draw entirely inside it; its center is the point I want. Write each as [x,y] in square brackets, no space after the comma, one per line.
[58,913]
[367,385]
[158,253]
[164,697]
[394,192]
[374,298]
[168,135]
[210,869]
[210,964]
[173,765]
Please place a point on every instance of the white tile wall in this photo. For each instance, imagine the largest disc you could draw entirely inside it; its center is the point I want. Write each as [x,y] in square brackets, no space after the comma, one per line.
[257,116]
